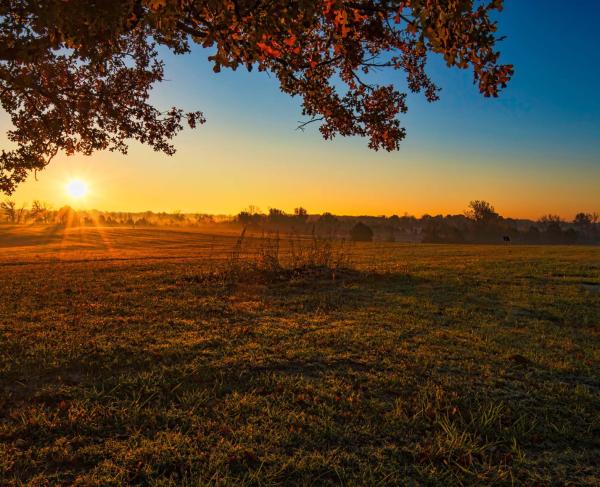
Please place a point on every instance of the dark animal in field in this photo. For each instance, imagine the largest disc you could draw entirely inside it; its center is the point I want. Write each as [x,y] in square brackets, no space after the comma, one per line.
[506,238]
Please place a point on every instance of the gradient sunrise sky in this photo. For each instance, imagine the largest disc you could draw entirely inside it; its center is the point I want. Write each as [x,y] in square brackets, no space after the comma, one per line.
[535,150]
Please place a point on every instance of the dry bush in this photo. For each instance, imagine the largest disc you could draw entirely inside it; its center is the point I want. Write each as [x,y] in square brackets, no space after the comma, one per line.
[275,258]
[318,252]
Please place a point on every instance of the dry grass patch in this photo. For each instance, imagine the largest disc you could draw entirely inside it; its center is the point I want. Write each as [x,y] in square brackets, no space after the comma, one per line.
[426,365]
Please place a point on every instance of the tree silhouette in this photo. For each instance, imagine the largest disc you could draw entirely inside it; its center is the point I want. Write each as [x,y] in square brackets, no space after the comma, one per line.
[583,220]
[76,76]
[361,233]
[40,211]
[552,225]
[68,217]
[277,216]
[482,212]
[328,218]
[244,217]
[9,207]
[550,220]
[301,214]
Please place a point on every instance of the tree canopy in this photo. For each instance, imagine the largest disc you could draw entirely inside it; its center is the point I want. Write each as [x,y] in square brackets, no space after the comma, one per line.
[76,75]
[482,212]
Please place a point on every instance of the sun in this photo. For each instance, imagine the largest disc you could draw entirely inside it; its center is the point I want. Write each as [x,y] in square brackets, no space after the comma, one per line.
[77,189]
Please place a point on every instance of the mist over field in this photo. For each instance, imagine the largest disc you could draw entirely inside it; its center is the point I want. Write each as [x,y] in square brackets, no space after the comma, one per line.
[479,223]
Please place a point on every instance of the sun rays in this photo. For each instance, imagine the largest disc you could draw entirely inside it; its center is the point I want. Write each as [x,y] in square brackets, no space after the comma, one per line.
[76,189]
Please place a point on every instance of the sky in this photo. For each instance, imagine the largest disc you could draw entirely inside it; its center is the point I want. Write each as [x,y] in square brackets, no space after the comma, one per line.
[533,151]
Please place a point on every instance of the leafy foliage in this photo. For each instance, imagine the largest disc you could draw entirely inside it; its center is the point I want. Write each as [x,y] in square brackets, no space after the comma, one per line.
[481,211]
[76,76]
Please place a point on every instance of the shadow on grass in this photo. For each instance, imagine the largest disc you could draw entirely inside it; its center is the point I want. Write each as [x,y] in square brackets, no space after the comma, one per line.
[310,375]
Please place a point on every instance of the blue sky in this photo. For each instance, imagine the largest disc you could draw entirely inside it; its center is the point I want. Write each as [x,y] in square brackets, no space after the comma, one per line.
[534,150]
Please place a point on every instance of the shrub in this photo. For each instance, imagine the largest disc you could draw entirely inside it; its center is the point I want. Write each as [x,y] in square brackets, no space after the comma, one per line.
[361,233]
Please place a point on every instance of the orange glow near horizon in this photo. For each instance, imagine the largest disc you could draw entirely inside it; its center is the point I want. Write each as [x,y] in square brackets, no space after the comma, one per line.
[532,152]
[347,185]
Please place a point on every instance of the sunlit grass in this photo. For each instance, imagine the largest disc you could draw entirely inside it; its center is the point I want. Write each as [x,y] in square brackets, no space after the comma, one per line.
[423,364]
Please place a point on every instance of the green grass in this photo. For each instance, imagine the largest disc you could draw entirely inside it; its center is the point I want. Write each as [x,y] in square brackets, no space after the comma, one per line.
[423,364]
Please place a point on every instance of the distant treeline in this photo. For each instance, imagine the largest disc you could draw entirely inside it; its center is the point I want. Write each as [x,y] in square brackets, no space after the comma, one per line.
[43,213]
[479,224]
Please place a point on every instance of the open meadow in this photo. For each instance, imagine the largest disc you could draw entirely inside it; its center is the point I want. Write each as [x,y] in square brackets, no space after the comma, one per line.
[180,357]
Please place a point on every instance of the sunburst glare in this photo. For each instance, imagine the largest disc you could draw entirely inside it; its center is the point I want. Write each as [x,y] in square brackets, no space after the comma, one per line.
[77,189]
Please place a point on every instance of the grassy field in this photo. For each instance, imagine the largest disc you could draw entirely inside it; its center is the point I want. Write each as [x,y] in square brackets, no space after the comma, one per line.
[147,357]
